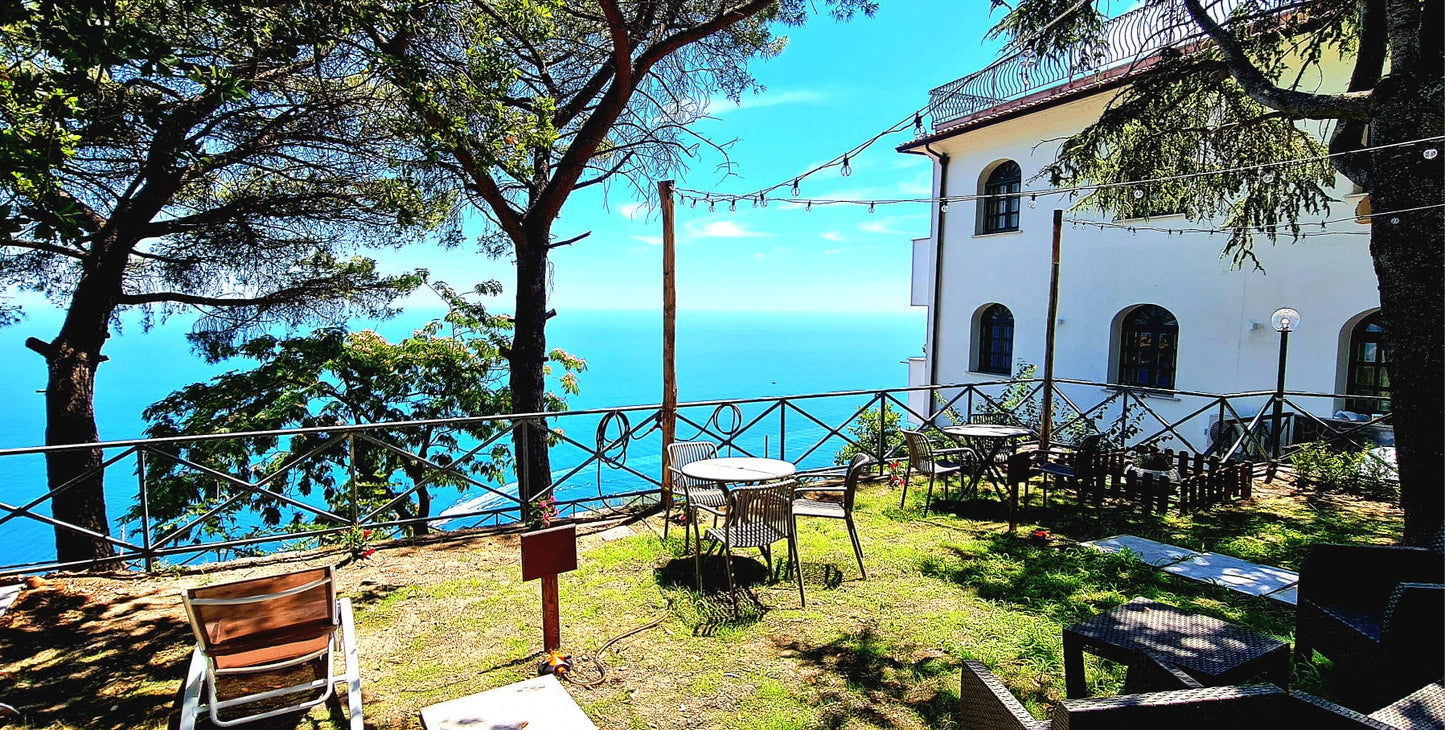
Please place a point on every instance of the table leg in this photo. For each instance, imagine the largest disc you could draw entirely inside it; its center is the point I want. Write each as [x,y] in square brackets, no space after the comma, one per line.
[1074,685]
[1279,668]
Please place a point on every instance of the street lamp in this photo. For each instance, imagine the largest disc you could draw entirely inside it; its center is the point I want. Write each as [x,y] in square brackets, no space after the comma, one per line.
[1285,320]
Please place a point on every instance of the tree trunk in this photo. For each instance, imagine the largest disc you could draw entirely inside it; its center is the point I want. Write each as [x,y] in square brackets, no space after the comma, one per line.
[528,358]
[70,419]
[1407,251]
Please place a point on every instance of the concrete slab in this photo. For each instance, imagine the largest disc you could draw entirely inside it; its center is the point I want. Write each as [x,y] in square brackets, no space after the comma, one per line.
[1288,595]
[616,533]
[1150,552]
[1233,573]
[8,594]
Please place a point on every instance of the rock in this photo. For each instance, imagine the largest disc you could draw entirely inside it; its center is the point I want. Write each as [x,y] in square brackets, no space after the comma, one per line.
[36,581]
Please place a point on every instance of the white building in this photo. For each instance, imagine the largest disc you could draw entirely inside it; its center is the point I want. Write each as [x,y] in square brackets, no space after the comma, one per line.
[1143,308]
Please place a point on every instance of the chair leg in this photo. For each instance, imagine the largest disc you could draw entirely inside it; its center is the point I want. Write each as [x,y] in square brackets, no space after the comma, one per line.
[697,563]
[857,548]
[666,518]
[767,552]
[191,694]
[353,665]
[928,499]
[907,477]
[796,560]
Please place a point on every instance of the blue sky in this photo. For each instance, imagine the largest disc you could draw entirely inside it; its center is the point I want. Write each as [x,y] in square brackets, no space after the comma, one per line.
[836,85]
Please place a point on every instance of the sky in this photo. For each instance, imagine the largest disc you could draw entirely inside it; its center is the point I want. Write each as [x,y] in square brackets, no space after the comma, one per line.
[835,86]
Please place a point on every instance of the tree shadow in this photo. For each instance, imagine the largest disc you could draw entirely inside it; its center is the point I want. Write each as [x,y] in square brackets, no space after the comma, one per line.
[876,683]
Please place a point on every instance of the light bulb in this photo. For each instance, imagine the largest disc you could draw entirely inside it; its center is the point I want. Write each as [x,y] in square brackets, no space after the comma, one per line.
[733,206]
[847,168]
[795,187]
[1430,153]
[763,199]
[1138,194]
[1268,178]
[870,209]
[693,203]
[809,207]
[943,207]
[1394,221]
[1033,201]
[711,205]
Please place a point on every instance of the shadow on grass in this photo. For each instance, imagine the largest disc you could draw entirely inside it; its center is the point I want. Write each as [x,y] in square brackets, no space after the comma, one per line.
[877,686]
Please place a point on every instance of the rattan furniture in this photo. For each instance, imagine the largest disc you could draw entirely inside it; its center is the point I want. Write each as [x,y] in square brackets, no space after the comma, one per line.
[991,442]
[1378,612]
[756,516]
[694,491]
[840,510]
[925,459]
[1143,631]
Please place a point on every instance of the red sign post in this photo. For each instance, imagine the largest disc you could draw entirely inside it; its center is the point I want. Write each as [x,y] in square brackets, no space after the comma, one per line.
[545,554]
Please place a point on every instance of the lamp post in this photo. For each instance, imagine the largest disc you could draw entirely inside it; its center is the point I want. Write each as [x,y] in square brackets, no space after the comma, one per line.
[1284,321]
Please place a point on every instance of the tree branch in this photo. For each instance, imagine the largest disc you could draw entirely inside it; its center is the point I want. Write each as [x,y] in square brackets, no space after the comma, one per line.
[46,247]
[1297,104]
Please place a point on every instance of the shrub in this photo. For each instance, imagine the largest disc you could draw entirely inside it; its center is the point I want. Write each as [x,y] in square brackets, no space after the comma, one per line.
[865,434]
[1318,465]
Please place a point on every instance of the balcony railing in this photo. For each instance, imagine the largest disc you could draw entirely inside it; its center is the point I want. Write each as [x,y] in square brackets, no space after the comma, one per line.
[1128,39]
[602,460]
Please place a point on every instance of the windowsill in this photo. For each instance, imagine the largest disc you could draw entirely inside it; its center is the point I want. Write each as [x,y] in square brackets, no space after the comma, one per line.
[989,374]
[1136,390]
[997,234]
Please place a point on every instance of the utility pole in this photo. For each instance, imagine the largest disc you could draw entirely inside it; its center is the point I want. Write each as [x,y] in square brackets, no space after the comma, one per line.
[1046,428]
[669,339]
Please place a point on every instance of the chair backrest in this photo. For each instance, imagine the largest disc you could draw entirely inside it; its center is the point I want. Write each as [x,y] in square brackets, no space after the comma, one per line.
[768,506]
[920,449]
[856,467]
[985,703]
[682,453]
[230,612]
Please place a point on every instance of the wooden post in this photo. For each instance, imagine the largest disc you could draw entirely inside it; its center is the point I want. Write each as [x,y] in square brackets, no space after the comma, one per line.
[551,614]
[669,338]
[1046,428]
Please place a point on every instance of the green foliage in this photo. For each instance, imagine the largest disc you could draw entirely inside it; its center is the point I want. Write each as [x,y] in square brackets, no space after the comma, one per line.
[866,430]
[451,368]
[1317,464]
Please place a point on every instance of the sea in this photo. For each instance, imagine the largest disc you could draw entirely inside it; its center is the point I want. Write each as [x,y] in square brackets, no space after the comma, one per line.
[720,355]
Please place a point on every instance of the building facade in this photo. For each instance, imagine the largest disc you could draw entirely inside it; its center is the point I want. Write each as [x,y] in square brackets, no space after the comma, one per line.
[1144,308]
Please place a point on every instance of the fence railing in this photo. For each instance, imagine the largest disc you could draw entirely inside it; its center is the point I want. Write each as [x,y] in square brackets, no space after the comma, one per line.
[219,496]
[1127,39]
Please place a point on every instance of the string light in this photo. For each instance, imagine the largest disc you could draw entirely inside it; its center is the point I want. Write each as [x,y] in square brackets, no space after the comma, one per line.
[1034,200]
[943,207]
[711,206]
[809,207]
[733,206]
[1138,194]
[1268,178]
[1430,153]
[796,190]
[763,199]
[847,168]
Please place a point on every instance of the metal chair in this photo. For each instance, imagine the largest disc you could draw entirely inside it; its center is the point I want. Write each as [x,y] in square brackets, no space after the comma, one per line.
[757,516]
[1072,465]
[694,491]
[923,458]
[837,510]
[267,625]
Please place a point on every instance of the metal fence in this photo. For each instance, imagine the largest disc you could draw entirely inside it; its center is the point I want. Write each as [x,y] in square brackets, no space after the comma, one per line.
[1127,39]
[219,496]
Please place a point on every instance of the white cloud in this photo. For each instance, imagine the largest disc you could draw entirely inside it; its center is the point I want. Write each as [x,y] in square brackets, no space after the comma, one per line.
[893,225]
[649,240]
[633,211]
[720,229]
[759,256]
[719,106]
[833,236]
[920,186]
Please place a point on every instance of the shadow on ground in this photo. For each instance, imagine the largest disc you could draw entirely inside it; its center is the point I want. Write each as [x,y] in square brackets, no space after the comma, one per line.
[876,682]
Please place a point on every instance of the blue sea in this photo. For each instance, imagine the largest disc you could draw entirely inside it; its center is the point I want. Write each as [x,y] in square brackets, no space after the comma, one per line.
[720,355]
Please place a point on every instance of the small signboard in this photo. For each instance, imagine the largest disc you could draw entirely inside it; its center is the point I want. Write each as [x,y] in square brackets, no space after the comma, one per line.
[549,552]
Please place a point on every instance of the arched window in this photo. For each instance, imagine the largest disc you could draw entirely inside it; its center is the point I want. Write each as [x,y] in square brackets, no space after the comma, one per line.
[1148,347]
[996,340]
[1367,373]
[1002,213]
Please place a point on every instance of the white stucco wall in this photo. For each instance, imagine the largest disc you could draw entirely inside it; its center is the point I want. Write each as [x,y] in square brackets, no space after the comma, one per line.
[1329,279]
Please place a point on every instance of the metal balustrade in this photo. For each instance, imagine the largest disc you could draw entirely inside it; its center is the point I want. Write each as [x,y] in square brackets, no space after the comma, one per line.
[1127,40]
[603,459]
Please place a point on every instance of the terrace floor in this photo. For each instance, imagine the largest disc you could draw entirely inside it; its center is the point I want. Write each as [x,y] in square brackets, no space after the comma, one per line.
[441,620]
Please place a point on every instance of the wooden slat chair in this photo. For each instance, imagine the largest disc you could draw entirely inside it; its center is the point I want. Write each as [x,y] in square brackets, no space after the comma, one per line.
[266,625]
[694,492]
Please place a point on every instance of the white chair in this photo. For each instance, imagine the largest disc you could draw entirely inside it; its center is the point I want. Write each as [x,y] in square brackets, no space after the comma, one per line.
[268,625]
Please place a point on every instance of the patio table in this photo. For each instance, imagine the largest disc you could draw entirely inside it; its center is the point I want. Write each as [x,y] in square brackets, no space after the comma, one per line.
[986,437]
[1213,652]
[736,469]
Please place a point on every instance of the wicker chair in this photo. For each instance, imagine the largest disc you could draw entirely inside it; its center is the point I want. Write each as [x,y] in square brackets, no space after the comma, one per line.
[1376,611]
[837,510]
[925,459]
[1424,708]
[756,516]
[694,491]
[1073,466]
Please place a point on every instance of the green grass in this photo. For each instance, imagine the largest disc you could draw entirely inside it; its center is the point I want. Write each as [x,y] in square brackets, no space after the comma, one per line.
[880,653]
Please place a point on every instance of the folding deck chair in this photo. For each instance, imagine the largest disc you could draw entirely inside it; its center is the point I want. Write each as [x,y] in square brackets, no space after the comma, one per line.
[267,625]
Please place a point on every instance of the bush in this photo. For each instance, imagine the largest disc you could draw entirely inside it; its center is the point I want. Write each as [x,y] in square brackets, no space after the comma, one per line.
[1318,465]
[865,433]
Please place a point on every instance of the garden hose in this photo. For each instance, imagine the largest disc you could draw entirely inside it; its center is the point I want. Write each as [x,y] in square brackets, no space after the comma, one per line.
[596,658]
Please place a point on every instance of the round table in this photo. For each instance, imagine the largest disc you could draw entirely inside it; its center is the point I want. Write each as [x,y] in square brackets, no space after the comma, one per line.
[739,469]
[989,440]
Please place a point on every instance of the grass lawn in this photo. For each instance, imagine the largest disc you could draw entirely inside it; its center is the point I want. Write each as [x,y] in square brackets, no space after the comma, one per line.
[443,620]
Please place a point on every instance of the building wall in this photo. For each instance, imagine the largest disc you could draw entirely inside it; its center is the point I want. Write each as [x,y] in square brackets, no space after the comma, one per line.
[1226,343]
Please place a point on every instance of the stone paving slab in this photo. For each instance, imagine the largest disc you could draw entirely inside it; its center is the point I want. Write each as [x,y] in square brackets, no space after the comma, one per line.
[616,533]
[1288,595]
[8,594]
[1233,573]
[1153,553]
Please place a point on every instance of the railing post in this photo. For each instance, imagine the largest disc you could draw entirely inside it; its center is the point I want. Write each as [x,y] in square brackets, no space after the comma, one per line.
[524,505]
[782,429]
[882,431]
[145,510]
[351,469]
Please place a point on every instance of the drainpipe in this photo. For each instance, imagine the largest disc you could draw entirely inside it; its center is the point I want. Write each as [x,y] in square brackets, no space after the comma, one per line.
[942,158]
